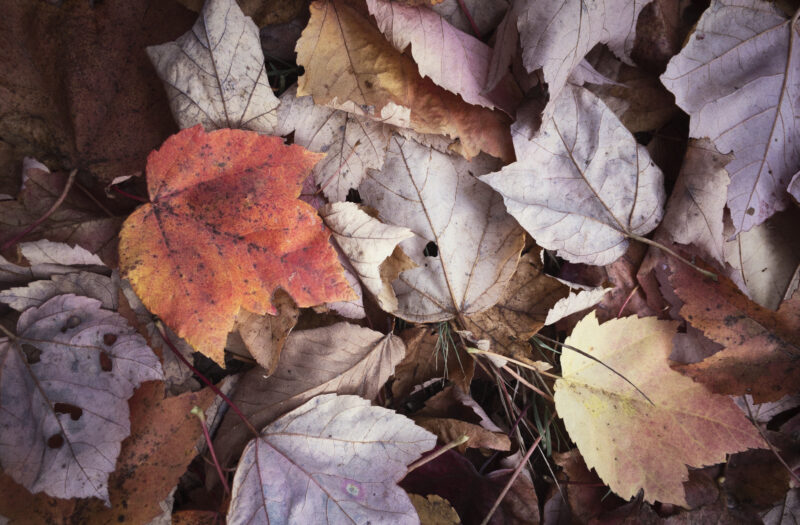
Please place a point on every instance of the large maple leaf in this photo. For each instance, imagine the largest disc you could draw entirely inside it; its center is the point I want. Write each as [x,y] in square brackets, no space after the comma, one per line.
[223,230]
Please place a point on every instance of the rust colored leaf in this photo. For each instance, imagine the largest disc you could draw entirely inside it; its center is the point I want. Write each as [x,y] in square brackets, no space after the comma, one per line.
[762,347]
[350,65]
[223,230]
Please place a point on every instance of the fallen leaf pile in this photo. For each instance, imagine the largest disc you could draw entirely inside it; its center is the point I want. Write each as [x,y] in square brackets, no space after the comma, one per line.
[400,261]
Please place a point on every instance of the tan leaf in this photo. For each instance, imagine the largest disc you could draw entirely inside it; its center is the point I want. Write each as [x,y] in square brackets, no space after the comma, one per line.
[521,311]
[738,80]
[367,243]
[214,74]
[449,429]
[434,510]
[64,390]
[580,298]
[582,184]
[349,64]
[351,143]
[336,459]
[341,358]
[632,444]
[453,59]
[555,36]
[453,282]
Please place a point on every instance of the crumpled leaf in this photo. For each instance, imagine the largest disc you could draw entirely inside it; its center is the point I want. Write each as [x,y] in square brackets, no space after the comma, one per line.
[367,243]
[486,15]
[349,65]
[555,36]
[78,220]
[522,310]
[64,390]
[351,143]
[215,75]
[86,284]
[335,453]
[762,347]
[738,80]
[341,358]
[453,59]
[607,417]
[454,282]
[582,184]
[694,213]
[225,239]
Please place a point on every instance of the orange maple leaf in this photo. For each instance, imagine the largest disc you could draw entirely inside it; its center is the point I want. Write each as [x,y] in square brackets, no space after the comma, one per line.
[223,230]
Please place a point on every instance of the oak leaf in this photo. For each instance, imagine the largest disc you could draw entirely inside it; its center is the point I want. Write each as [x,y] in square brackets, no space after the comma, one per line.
[335,453]
[64,390]
[762,347]
[582,185]
[452,282]
[631,443]
[738,79]
[349,65]
[215,74]
[453,59]
[223,230]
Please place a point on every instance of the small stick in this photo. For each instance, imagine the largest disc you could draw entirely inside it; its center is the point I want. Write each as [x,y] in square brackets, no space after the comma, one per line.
[197,411]
[453,444]
[205,380]
[627,300]
[44,217]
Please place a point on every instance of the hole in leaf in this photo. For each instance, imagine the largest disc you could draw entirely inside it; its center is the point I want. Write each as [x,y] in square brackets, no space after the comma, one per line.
[55,441]
[431,250]
[32,354]
[74,412]
[109,339]
[105,362]
[353,196]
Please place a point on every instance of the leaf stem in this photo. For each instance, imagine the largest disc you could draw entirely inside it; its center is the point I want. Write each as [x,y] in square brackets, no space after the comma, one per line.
[471,20]
[661,247]
[129,195]
[197,411]
[205,380]
[48,213]
[430,457]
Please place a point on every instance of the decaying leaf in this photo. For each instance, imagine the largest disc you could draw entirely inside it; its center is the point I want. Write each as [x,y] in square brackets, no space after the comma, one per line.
[86,284]
[555,36]
[434,510]
[223,230]
[335,453]
[65,386]
[739,79]
[215,75]
[350,65]
[762,347]
[582,184]
[631,443]
[449,281]
[522,310]
[367,243]
[453,59]
[351,143]
[579,298]
[342,358]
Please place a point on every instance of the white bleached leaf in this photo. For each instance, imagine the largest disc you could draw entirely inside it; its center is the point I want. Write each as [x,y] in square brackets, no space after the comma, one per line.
[214,74]
[581,184]
[335,459]
[738,78]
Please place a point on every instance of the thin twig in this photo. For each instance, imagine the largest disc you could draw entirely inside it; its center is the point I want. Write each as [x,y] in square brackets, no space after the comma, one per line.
[627,300]
[771,446]
[513,478]
[593,358]
[44,217]
[453,444]
[197,411]
[205,380]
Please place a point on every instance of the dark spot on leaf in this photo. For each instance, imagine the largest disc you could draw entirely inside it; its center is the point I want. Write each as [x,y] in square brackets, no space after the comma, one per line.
[55,441]
[730,320]
[431,250]
[105,362]
[750,211]
[74,412]
[72,322]
[32,354]
[109,339]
